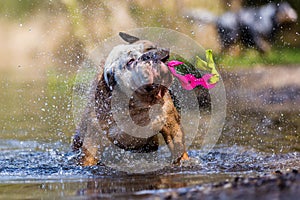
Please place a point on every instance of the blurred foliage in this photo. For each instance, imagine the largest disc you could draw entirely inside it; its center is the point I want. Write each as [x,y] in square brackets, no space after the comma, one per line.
[248,58]
[19,8]
[90,21]
[159,16]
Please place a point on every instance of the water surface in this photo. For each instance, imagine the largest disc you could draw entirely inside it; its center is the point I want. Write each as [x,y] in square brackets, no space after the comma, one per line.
[37,125]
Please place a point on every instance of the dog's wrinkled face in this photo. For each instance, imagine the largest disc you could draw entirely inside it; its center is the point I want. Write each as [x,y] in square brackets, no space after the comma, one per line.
[138,67]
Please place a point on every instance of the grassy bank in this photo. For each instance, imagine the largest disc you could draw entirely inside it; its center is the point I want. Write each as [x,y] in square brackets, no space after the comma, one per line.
[249,58]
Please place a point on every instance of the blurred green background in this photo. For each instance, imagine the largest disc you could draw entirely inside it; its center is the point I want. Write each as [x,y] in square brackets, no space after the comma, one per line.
[63,30]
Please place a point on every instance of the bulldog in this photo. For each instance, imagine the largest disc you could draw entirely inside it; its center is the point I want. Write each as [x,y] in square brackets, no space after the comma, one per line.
[136,69]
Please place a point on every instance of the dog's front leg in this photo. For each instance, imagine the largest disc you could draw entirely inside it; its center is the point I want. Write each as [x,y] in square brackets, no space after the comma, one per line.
[92,144]
[94,124]
[172,131]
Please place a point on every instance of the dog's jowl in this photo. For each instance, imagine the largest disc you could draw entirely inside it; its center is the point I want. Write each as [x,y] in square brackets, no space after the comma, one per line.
[137,68]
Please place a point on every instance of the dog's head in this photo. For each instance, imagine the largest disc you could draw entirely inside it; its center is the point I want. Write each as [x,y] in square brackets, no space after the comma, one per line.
[138,66]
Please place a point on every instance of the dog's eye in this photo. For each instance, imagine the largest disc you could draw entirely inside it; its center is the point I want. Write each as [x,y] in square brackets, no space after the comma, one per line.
[129,63]
[150,48]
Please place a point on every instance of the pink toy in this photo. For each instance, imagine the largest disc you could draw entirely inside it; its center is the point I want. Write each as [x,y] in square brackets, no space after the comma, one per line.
[189,81]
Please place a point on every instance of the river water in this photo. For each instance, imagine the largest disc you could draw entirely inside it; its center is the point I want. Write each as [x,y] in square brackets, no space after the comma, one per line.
[261,135]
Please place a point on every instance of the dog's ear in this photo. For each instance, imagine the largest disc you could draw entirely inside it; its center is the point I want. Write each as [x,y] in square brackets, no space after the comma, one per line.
[128,38]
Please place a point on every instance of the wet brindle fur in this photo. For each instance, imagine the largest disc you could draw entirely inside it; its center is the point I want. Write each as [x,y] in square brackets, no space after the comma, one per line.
[139,60]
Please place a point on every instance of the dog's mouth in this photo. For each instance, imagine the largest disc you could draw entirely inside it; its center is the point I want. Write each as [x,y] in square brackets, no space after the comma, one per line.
[149,88]
[151,93]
